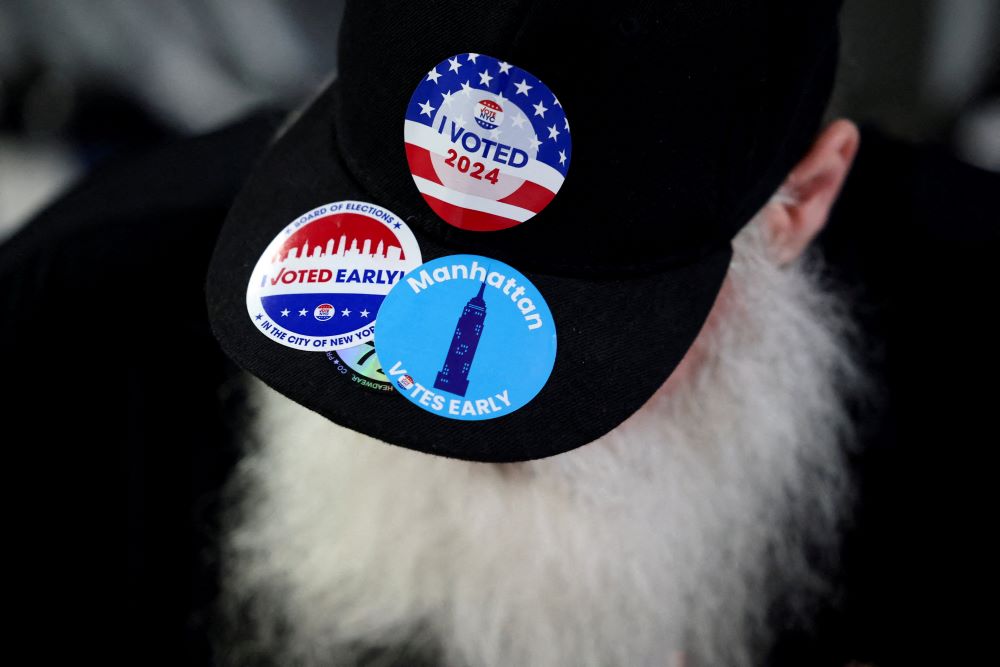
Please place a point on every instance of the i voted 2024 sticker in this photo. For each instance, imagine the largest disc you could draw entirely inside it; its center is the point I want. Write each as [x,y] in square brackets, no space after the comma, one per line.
[466,337]
[488,143]
[361,365]
[320,283]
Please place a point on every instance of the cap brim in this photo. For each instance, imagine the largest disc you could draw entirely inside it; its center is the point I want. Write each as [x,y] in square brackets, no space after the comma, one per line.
[618,339]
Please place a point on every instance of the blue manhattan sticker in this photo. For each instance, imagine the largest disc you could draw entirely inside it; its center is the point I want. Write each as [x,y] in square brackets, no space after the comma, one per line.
[466,337]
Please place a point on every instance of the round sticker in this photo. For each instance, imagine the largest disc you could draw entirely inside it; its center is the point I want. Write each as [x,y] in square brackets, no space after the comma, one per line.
[487,142]
[466,337]
[361,364]
[319,284]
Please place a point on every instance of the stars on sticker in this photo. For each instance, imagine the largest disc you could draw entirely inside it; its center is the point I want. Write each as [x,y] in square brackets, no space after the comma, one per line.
[364,313]
[397,225]
[345,312]
[259,315]
[302,313]
[511,88]
[285,312]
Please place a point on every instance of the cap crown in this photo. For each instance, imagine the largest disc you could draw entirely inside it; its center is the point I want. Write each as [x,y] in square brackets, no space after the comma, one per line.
[685,116]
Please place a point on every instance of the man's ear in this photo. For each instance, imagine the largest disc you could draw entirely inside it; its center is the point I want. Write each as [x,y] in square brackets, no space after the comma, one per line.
[802,205]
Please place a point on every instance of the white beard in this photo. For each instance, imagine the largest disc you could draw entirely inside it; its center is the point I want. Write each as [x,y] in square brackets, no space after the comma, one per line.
[672,535]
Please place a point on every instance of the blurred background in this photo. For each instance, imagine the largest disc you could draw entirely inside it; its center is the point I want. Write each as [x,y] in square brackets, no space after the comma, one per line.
[83,80]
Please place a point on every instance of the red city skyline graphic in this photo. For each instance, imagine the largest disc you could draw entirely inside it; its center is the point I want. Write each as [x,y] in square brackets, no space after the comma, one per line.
[343,234]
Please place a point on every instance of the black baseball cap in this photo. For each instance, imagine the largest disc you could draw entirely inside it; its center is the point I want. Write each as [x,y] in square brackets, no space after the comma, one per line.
[686,117]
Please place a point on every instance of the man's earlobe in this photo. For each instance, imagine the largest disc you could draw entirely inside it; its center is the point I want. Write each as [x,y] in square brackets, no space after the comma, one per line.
[799,210]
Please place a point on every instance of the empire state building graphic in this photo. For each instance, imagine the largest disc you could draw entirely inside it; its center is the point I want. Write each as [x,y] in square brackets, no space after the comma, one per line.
[454,376]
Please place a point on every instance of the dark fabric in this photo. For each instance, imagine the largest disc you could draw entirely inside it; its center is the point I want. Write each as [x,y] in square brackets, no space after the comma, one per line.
[130,410]
[116,402]
[599,379]
[916,235]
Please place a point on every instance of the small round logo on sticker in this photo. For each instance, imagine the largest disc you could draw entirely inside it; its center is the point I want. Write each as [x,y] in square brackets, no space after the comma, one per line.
[324,312]
[466,337]
[320,283]
[361,365]
[488,143]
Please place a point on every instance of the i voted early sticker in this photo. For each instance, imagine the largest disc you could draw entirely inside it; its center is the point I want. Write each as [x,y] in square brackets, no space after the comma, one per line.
[466,337]
[320,283]
[488,143]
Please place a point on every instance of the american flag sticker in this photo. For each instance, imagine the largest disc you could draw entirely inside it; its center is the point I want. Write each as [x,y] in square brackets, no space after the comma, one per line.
[488,143]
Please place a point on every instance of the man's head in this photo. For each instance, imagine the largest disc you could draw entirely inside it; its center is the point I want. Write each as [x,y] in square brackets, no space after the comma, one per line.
[638,162]
[676,534]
